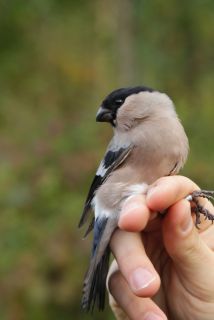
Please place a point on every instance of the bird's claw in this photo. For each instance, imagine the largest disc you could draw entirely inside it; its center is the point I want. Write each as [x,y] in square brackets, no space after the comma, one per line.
[203,194]
[198,209]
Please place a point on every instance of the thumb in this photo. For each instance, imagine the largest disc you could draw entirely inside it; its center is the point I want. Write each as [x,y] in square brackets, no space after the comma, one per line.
[190,254]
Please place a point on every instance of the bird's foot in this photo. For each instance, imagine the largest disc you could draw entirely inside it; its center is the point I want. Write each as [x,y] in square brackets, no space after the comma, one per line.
[197,208]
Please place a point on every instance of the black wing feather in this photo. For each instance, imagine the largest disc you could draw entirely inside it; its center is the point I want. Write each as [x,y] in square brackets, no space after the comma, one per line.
[112,160]
[97,181]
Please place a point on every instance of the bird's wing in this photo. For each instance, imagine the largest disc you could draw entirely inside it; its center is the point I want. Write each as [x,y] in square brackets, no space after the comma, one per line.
[111,161]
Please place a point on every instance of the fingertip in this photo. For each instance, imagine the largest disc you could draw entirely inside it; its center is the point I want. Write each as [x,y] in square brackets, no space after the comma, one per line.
[134,215]
[168,190]
[144,281]
[155,198]
[129,306]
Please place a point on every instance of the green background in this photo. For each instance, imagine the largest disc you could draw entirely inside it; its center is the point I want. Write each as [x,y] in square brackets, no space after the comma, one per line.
[58,60]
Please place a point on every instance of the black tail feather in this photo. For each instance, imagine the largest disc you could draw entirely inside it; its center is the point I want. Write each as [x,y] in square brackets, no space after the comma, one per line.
[95,279]
[95,286]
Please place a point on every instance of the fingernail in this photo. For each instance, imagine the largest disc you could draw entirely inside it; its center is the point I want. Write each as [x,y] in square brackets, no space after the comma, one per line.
[152,316]
[141,278]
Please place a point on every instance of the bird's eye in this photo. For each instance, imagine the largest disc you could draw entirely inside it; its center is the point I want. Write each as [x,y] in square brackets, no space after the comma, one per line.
[118,102]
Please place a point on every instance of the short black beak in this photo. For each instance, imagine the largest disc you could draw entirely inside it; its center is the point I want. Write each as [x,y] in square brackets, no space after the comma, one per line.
[104,115]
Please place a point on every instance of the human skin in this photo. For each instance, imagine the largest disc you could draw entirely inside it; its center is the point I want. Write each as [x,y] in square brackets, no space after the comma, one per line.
[164,266]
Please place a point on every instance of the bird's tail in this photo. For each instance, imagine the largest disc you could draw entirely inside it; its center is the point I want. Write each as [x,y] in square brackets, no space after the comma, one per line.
[94,284]
[95,280]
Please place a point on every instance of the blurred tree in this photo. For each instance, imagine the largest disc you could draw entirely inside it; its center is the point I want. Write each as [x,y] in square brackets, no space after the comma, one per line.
[58,59]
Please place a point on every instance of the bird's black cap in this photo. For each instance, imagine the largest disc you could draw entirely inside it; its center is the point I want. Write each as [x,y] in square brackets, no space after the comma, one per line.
[121,94]
[111,104]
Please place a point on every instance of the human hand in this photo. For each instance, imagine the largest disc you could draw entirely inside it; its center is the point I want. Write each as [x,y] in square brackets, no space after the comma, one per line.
[165,266]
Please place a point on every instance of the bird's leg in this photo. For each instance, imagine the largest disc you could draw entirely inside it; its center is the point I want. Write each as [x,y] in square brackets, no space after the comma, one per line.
[198,208]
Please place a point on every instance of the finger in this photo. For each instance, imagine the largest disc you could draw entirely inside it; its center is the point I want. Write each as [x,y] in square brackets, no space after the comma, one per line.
[127,305]
[134,264]
[207,236]
[168,190]
[115,307]
[134,215]
[190,254]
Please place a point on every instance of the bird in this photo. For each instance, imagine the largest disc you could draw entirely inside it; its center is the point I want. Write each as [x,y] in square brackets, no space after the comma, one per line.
[148,142]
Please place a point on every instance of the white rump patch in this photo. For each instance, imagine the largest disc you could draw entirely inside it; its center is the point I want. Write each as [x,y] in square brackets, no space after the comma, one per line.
[129,191]
[99,210]
[135,189]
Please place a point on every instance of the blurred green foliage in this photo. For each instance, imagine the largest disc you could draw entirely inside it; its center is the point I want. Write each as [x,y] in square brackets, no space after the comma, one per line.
[58,59]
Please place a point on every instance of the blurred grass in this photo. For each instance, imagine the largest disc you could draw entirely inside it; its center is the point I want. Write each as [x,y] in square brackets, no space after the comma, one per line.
[58,59]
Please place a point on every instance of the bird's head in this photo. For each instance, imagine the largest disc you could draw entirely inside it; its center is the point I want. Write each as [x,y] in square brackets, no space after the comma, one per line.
[126,106]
